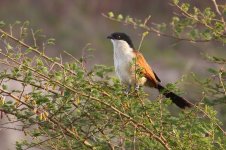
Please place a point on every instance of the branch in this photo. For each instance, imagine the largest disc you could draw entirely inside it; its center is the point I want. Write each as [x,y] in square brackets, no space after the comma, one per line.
[218,11]
[157,32]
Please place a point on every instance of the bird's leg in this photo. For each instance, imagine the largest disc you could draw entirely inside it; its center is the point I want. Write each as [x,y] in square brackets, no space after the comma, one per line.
[128,89]
[137,86]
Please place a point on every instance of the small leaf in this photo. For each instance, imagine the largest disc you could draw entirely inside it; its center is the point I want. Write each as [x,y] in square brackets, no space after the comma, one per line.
[18,22]
[194,33]
[120,17]
[211,70]
[4,87]
[51,41]
[111,14]
[185,7]
[58,76]
[2,100]
[145,33]
[2,23]
[26,23]
[175,2]
[161,27]
[28,50]
[39,62]
[8,46]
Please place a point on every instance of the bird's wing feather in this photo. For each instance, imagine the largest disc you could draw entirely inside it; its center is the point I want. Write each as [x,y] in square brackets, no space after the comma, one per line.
[146,69]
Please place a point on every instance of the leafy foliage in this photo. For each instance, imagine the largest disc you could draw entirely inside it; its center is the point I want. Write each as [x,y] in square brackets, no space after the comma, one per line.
[190,23]
[61,105]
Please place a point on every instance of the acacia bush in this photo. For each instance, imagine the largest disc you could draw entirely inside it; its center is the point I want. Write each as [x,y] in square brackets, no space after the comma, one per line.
[62,105]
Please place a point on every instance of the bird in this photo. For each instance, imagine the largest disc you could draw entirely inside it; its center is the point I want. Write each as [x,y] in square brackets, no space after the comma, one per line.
[133,70]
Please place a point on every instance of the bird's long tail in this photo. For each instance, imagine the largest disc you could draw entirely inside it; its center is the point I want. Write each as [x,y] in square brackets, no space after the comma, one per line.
[179,101]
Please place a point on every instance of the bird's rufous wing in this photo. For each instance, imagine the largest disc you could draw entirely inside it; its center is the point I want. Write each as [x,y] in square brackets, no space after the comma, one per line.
[146,69]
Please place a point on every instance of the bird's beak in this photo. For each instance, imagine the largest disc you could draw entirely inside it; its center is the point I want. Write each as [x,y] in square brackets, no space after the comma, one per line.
[109,37]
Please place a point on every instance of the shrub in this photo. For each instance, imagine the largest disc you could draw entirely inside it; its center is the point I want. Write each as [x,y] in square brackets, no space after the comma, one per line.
[61,105]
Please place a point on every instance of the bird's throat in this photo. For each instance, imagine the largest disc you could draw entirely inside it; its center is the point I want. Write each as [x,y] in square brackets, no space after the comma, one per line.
[123,58]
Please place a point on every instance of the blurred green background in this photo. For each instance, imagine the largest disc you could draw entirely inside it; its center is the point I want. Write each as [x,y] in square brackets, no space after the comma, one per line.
[75,23]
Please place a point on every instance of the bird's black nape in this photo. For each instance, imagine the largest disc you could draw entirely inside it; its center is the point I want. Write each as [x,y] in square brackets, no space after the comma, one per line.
[121,36]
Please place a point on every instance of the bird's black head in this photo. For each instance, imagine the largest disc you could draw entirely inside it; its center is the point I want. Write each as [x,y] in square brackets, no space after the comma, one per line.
[121,36]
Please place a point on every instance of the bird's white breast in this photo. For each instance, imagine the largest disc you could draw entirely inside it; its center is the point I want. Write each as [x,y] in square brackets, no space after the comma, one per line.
[123,57]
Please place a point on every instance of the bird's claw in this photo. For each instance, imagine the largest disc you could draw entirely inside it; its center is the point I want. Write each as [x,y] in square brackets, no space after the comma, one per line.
[137,88]
[127,90]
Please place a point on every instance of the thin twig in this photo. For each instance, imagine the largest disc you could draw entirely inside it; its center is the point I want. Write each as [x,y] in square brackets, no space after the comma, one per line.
[186,14]
[221,82]
[219,13]
[157,31]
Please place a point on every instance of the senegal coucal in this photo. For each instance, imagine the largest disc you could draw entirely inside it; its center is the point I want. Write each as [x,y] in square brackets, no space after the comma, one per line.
[132,68]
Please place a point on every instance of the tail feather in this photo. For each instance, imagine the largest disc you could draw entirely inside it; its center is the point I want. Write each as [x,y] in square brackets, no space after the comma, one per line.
[179,101]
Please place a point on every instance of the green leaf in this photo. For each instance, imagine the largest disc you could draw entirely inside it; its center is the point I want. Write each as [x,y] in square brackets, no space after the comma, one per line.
[51,41]
[175,20]
[211,70]
[18,22]
[175,2]
[207,34]
[26,23]
[196,11]
[161,27]
[19,146]
[58,76]
[111,14]
[42,100]
[219,27]
[194,34]
[39,62]
[120,17]
[9,47]
[145,33]
[36,133]
[185,7]
[2,23]
[208,13]
[4,87]
[101,70]
[28,50]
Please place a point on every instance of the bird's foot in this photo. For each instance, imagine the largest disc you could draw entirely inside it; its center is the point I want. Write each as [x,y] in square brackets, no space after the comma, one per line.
[127,90]
[137,87]
[126,93]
